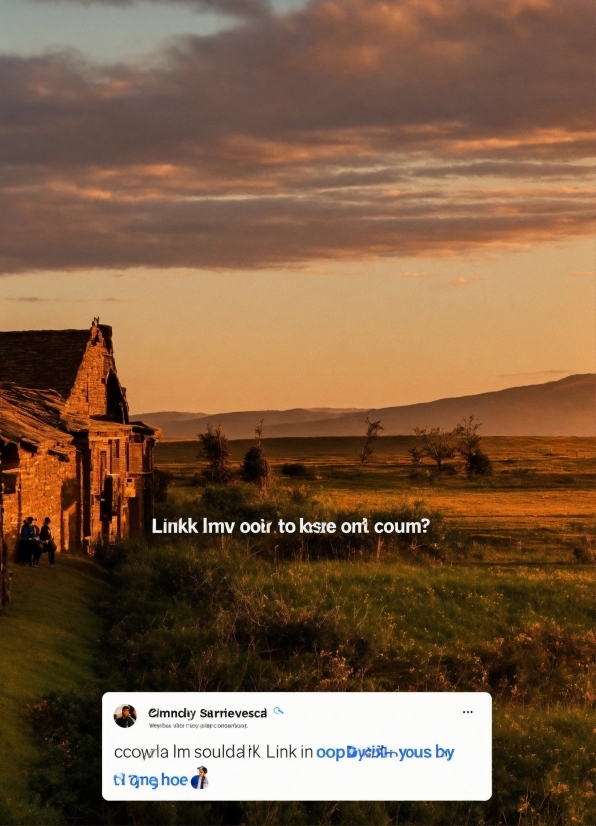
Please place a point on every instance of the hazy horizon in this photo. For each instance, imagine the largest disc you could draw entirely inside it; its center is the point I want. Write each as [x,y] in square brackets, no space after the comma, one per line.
[323,409]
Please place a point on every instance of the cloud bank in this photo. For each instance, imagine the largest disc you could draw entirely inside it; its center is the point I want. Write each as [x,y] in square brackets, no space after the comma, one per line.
[344,130]
[236,8]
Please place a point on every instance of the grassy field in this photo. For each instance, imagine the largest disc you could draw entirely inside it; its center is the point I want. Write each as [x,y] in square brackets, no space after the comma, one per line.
[560,451]
[48,642]
[538,505]
[526,637]
[501,600]
[511,612]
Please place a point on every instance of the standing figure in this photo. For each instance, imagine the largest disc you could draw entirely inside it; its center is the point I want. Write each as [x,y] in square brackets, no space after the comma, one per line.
[29,538]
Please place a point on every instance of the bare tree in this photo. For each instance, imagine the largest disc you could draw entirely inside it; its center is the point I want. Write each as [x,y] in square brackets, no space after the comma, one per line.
[373,431]
[259,431]
[436,443]
[217,453]
[468,446]
[466,433]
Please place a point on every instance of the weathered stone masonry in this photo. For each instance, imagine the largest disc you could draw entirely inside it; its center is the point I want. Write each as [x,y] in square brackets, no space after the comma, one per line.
[67,447]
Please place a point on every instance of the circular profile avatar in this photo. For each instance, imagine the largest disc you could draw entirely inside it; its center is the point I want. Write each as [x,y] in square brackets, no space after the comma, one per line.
[199,781]
[125,716]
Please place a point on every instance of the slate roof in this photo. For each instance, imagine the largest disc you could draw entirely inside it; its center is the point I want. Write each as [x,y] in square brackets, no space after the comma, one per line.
[42,359]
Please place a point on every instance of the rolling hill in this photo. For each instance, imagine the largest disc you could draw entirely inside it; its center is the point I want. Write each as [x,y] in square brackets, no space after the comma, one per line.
[240,425]
[555,408]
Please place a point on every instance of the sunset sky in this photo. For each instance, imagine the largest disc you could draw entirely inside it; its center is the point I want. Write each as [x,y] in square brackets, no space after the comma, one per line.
[350,203]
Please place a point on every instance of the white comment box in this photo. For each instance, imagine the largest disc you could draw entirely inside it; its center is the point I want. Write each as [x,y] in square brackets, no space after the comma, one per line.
[297,746]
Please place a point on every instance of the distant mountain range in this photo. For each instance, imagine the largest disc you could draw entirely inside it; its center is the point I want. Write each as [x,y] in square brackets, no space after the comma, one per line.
[241,425]
[555,408]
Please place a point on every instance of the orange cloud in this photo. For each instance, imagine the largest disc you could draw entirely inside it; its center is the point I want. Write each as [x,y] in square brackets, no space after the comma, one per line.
[347,129]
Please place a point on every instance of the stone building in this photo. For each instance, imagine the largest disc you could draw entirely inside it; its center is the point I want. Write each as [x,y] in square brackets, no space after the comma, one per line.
[67,447]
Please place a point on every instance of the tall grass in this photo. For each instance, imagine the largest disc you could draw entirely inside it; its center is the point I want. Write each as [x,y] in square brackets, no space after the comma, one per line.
[237,503]
[182,617]
[275,614]
[194,619]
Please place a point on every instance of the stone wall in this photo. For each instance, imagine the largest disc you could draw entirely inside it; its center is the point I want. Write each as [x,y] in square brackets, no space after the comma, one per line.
[106,458]
[89,394]
[129,463]
[42,485]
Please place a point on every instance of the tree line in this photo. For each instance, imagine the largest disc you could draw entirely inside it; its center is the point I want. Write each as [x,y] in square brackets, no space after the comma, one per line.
[435,443]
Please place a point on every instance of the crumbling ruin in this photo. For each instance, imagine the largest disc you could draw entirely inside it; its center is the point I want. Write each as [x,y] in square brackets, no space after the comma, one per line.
[67,447]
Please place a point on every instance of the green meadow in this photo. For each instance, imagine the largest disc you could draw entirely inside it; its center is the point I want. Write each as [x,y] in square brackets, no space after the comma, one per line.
[49,638]
[498,597]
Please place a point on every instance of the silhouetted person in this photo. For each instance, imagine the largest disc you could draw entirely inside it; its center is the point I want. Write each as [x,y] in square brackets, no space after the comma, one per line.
[47,537]
[29,538]
[27,530]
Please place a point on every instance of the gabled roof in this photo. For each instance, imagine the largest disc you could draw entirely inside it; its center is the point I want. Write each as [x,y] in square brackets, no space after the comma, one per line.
[32,416]
[38,369]
[37,417]
[43,359]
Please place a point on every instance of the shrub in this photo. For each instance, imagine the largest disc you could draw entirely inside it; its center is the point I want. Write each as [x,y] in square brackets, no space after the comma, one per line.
[416,455]
[217,453]
[478,464]
[162,479]
[228,502]
[255,467]
[296,469]
[584,551]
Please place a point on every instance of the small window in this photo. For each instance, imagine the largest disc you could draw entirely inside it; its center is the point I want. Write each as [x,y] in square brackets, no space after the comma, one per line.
[9,483]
